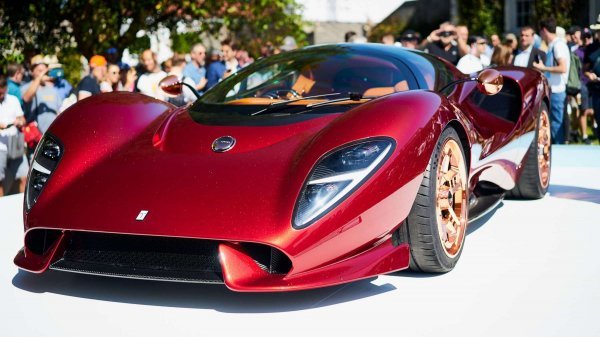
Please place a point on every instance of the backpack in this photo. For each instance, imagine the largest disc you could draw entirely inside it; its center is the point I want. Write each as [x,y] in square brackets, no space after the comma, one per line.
[574,81]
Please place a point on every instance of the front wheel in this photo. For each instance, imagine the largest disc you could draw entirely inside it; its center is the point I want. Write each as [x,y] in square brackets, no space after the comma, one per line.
[436,226]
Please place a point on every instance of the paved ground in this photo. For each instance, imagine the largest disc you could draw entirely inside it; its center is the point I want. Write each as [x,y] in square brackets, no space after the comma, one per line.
[529,269]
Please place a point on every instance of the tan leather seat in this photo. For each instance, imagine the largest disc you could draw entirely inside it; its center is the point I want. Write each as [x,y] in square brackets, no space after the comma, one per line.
[381,91]
[303,84]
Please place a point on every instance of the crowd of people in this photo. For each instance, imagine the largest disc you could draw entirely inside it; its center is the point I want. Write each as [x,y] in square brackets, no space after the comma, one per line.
[570,60]
[33,94]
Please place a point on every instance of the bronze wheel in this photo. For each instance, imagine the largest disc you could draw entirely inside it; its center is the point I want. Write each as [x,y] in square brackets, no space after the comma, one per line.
[543,143]
[535,168]
[451,203]
[436,227]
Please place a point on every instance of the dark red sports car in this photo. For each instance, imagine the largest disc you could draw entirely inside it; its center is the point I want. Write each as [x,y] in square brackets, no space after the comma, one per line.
[306,169]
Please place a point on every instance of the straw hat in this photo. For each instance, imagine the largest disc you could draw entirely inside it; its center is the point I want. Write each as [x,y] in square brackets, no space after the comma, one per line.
[597,25]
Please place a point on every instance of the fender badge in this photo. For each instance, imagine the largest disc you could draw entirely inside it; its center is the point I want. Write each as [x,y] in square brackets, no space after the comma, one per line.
[142,215]
[223,144]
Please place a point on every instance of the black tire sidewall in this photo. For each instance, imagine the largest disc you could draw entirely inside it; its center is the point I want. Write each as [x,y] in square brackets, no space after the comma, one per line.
[438,261]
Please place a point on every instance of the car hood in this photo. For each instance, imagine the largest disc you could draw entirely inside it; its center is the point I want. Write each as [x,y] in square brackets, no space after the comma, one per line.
[168,168]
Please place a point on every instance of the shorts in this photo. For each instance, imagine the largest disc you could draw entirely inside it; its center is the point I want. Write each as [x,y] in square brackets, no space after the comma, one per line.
[586,102]
[12,169]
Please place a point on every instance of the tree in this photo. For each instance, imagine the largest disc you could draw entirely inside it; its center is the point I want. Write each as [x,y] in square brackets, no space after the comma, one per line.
[93,26]
[561,10]
[252,23]
[482,17]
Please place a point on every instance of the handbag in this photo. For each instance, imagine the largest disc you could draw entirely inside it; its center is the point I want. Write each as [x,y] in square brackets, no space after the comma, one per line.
[31,134]
[16,145]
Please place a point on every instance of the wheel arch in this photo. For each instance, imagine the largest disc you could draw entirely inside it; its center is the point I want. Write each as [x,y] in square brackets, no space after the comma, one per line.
[464,139]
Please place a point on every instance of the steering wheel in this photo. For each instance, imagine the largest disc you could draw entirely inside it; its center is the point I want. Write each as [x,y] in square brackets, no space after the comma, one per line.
[278,93]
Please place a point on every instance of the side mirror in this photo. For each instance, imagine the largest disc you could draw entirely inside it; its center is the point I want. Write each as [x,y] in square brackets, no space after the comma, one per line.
[171,85]
[490,81]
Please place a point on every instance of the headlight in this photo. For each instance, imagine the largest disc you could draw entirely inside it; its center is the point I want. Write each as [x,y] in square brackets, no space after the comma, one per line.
[45,160]
[335,176]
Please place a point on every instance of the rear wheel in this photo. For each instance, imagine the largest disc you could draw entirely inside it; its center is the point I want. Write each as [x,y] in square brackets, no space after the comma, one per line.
[535,176]
[436,226]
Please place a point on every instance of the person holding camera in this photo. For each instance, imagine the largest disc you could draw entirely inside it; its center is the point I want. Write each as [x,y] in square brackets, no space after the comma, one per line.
[13,166]
[442,43]
[57,74]
[41,98]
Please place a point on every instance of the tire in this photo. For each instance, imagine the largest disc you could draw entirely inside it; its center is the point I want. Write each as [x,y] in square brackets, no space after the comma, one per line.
[432,247]
[535,175]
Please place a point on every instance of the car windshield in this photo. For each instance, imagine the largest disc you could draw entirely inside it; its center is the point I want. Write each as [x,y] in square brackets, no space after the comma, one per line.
[310,76]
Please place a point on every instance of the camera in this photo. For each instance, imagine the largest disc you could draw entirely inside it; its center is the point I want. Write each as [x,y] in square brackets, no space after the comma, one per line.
[56,73]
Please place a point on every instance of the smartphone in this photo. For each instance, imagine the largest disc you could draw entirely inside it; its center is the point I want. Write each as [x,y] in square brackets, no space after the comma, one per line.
[536,58]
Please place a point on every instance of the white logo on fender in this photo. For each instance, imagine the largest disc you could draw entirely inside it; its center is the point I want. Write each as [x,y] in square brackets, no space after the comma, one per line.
[142,215]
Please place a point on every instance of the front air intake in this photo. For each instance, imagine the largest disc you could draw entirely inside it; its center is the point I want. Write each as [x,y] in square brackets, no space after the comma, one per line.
[142,257]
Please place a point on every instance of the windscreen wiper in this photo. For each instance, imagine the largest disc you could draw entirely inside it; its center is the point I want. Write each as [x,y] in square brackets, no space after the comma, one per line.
[284,103]
[352,96]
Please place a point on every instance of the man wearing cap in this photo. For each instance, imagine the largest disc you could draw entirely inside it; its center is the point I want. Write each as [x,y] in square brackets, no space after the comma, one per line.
[409,39]
[90,85]
[41,98]
[57,75]
[441,43]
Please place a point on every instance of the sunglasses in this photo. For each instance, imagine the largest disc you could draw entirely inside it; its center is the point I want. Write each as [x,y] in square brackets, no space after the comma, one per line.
[446,34]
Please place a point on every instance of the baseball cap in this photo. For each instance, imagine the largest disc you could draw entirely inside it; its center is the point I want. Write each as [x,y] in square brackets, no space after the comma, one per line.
[408,35]
[97,61]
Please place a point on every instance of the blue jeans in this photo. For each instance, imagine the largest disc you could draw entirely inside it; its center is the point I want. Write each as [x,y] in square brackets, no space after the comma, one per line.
[557,107]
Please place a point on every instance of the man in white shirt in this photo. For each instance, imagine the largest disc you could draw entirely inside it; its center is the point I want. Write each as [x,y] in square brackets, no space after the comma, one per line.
[529,53]
[148,83]
[556,69]
[11,117]
[476,59]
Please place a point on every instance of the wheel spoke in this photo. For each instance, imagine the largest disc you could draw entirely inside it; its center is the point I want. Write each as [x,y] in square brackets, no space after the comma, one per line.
[457,185]
[451,173]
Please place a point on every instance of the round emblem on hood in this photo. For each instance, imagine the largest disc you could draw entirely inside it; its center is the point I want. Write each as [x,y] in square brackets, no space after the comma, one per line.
[223,144]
